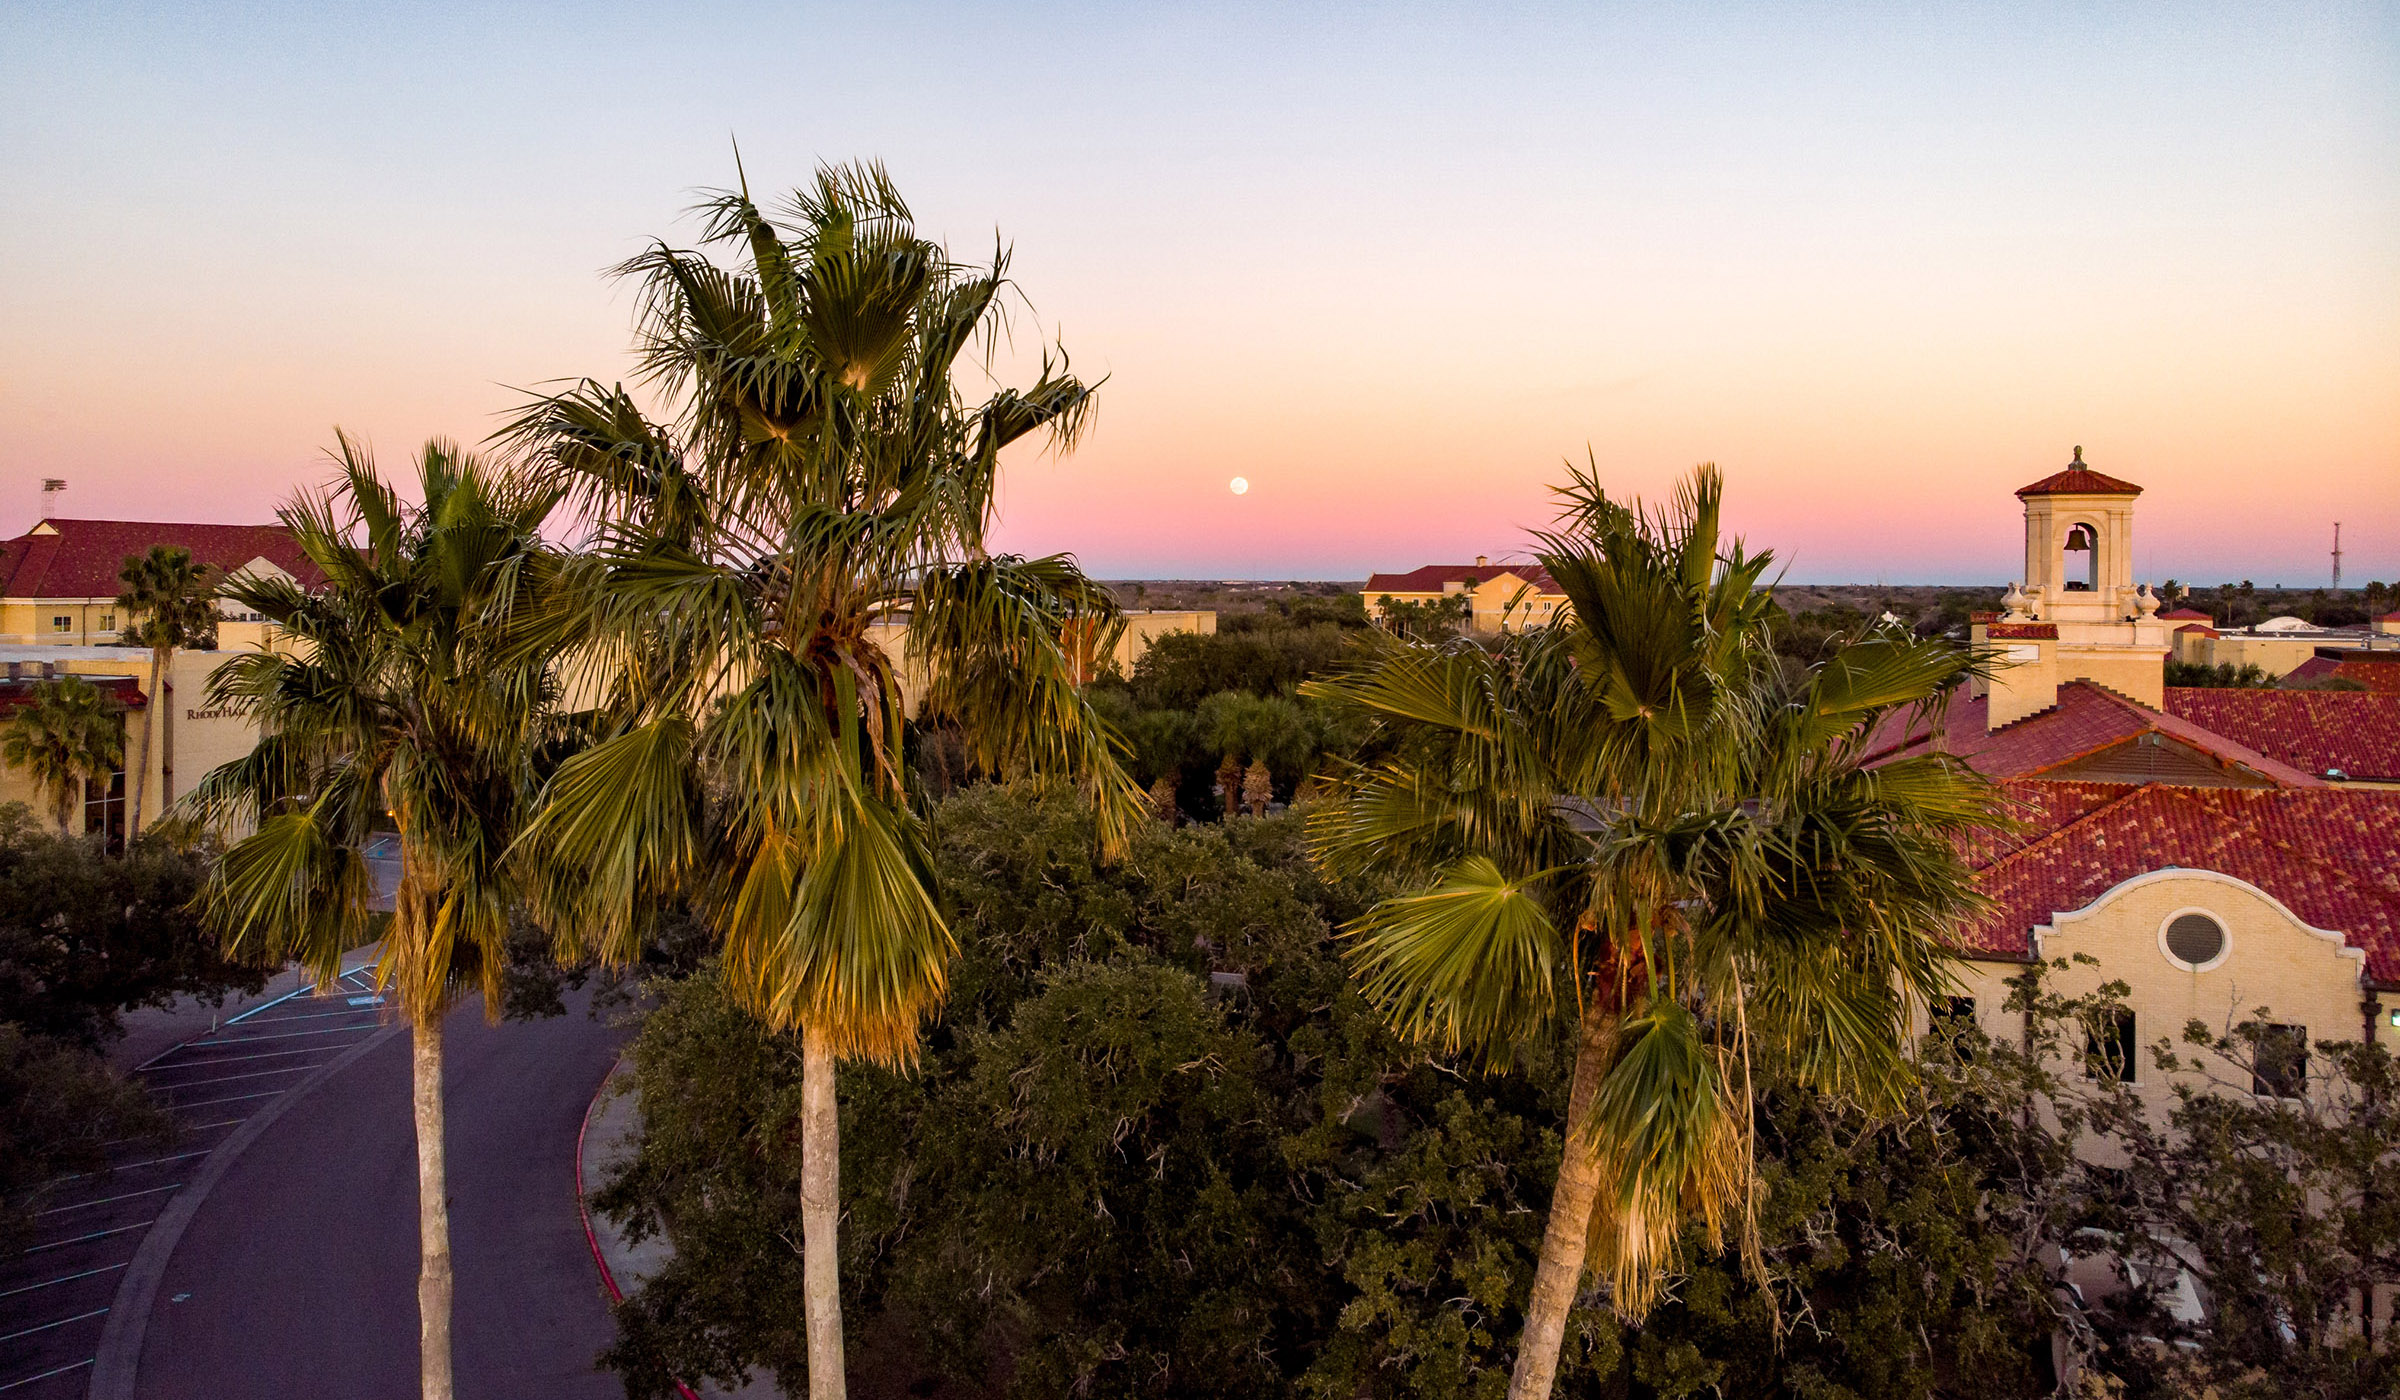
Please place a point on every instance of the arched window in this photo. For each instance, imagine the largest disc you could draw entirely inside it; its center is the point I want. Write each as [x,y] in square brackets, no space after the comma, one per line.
[2087,540]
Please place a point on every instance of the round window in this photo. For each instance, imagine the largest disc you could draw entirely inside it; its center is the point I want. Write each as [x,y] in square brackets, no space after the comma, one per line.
[2194,940]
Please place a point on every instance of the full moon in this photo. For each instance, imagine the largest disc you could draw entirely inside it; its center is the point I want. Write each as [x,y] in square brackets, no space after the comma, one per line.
[1240,484]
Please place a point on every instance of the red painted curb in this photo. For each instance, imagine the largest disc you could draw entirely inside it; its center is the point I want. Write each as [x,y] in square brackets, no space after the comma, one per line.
[608,1278]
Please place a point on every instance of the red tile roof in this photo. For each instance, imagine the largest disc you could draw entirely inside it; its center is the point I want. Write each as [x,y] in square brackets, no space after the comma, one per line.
[2314,730]
[2079,480]
[16,695]
[2023,631]
[2087,719]
[81,558]
[2376,670]
[2186,615]
[2332,856]
[1431,578]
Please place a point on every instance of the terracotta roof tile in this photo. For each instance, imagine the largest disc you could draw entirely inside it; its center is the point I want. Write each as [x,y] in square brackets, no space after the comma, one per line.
[2332,856]
[16,695]
[2376,670]
[2079,480]
[81,558]
[2312,730]
[2086,719]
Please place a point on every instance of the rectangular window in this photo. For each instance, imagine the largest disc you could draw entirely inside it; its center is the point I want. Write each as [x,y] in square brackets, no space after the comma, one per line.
[104,809]
[2281,1068]
[61,622]
[108,622]
[2108,1047]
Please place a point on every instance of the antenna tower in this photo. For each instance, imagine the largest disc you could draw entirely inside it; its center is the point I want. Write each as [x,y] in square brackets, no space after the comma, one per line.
[2337,556]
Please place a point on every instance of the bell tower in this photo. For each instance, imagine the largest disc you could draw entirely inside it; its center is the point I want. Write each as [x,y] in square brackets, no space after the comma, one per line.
[2079,614]
[2079,545]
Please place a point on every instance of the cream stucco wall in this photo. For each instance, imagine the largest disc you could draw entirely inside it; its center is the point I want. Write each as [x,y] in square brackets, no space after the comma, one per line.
[2140,675]
[2276,656]
[1490,602]
[2301,975]
[203,737]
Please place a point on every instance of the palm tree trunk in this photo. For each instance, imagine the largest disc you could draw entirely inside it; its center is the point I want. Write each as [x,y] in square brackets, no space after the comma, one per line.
[433,1212]
[821,1215]
[141,772]
[1559,1274]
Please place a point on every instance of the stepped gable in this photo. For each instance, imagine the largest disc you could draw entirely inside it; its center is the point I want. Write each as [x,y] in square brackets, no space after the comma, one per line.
[82,558]
[2332,856]
[1430,578]
[2087,719]
[2378,671]
[2318,731]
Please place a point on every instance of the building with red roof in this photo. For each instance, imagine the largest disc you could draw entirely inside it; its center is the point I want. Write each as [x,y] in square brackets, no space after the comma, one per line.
[2217,851]
[1492,597]
[59,580]
[59,616]
[2368,668]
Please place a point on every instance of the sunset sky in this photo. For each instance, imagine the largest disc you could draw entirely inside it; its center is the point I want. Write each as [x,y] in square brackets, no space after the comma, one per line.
[1882,264]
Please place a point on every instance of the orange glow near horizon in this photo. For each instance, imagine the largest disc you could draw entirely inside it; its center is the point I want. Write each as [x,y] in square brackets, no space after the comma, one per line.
[1393,270]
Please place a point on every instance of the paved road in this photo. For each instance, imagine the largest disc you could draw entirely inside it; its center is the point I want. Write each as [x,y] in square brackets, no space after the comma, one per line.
[213,1069]
[297,1278]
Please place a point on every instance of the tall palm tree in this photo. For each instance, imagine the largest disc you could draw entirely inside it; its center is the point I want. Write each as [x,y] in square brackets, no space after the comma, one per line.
[1637,822]
[398,702]
[170,603]
[70,733]
[821,474]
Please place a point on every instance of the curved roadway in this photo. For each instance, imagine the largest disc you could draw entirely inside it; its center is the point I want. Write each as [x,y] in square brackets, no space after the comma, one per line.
[297,1276]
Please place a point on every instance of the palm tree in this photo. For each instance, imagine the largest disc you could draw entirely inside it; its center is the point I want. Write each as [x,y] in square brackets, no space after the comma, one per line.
[170,603]
[70,733]
[396,703]
[821,474]
[1636,822]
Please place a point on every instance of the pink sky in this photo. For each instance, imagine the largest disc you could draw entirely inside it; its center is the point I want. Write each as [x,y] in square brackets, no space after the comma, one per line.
[1391,267]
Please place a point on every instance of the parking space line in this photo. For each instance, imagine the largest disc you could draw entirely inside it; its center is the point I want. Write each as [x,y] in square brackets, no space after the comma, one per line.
[94,1235]
[230,1060]
[230,1078]
[237,1098]
[27,1332]
[106,1200]
[280,1035]
[63,1278]
[55,1371]
[135,1166]
[313,1016]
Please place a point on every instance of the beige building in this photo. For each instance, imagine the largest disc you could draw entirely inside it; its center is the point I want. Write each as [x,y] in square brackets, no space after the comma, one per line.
[2277,646]
[1494,597]
[2218,851]
[59,616]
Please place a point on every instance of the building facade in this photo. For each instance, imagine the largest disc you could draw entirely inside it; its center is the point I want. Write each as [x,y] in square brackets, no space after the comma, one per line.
[1492,597]
[2221,852]
[59,617]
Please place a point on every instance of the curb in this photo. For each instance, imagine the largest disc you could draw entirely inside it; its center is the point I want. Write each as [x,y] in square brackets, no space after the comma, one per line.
[120,1353]
[608,1277]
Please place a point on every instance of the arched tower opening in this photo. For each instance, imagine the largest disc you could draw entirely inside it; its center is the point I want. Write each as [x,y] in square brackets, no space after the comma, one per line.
[2080,575]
